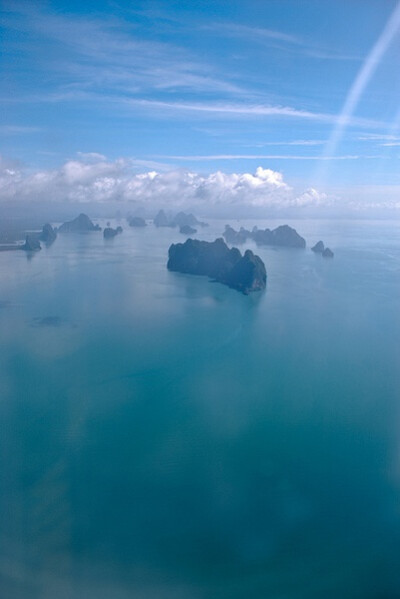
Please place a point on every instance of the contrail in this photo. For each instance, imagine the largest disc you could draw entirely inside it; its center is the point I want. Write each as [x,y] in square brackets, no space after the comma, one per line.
[362,79]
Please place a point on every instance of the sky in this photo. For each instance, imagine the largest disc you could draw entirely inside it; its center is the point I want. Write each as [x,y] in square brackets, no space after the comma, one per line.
[259,104]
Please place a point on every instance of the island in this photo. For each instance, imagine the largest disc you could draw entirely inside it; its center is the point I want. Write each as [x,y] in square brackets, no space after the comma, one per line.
[48,234]
[80,224]
[327,253]
[32,244]
[187,230]
[110,233]
[283,236]
[137,221]
[179,220]
[318,248]
[214,259]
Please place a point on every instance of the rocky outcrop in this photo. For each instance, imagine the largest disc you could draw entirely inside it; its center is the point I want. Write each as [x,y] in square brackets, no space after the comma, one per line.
[137,221]
[182,220]
[214,259]
[187,230]
[48,234]
[318,248]
[327,253]
[161,220]
[283,236]
[32,244]
[109,232]
[179,220]
[236,237]
[80,224]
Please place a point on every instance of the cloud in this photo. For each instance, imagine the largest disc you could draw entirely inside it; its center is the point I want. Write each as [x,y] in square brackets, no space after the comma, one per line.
[98,54]
[204,158]
[17,129]
[93,178]
[252,110]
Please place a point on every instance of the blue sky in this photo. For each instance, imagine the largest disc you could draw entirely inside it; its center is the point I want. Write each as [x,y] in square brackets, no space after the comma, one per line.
[308,89]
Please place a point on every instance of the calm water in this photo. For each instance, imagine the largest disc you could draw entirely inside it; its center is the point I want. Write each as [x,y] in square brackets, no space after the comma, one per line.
[164,437]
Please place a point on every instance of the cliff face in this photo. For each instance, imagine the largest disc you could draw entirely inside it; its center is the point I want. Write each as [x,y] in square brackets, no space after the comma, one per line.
[214,259]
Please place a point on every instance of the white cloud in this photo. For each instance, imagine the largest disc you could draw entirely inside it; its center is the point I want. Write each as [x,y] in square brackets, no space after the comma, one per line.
[93,178]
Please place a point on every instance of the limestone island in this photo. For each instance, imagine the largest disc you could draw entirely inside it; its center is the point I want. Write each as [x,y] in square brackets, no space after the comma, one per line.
[110,233]
[48,234]
[283,236]
[319,248]
[80,224]
[179,220]
[327,253]
[32,244]
[137,221]
[214,259]
[187,230]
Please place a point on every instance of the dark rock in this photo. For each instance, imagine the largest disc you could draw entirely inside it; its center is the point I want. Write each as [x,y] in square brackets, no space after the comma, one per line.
[319,247]
[248,274]
[80,224]
[161,220]
[214,259]
[48,234]
[137,221]
[109,232]
[327,253]
[182,219]
[236,237]
[283,236]
[32,244]
[187,230]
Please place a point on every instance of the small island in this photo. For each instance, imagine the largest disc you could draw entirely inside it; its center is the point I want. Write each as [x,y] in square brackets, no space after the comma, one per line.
[214,259]
[187,230]
[319,248]
[179,220]
[110,233]
[283,236]
[137,221]
[80,224]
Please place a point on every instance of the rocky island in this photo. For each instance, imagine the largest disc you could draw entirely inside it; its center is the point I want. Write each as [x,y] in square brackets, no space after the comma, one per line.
[283,236]
[80,224]
[48,234]
[110,233]
[137,221]
[179,220]
[187,230]
[214,259]
[32,244]
[319,248]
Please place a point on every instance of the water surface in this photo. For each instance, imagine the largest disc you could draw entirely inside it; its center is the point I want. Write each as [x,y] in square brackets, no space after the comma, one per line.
[166,437]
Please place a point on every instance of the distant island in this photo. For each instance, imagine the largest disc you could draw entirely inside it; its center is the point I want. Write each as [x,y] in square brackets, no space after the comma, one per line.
[319,248]
[214,259]
[283,236]
[110,233]
[80,224]
[187,230]
[136,221]
[179,220]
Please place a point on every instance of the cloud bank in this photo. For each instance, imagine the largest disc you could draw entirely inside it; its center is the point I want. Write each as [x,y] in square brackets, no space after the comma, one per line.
[93,178]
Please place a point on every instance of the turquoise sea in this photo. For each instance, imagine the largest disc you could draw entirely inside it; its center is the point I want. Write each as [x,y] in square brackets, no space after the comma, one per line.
[165,437]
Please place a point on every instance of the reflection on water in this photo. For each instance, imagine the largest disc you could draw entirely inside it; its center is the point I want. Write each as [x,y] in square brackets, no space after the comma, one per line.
[164,436]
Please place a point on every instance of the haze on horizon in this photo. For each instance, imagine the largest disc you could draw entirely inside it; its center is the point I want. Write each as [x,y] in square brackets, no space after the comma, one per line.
[245,109]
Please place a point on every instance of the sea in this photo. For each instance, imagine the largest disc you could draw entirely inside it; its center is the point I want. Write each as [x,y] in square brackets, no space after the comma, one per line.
[165,437]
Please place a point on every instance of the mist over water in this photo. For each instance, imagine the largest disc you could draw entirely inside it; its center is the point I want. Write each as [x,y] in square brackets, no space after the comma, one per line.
[165,436]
